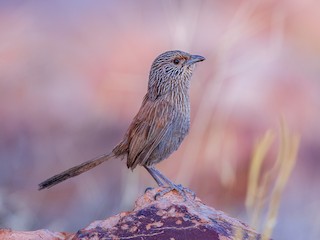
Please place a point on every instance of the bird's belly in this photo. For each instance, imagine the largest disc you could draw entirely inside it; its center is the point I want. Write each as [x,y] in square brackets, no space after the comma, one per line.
[171,140]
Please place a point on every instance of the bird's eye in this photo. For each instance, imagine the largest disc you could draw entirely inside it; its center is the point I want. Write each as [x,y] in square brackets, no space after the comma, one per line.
[176,61]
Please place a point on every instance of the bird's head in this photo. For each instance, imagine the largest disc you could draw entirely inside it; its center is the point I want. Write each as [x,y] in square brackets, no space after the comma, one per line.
[172,69]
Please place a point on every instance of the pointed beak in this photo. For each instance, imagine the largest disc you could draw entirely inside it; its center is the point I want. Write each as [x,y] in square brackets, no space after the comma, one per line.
[194,59]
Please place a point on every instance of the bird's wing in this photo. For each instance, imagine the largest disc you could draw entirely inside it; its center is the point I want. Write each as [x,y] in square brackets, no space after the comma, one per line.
[148,129]
[153,143]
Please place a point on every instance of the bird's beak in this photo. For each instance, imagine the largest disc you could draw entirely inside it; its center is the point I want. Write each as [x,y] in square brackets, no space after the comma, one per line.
[194,59]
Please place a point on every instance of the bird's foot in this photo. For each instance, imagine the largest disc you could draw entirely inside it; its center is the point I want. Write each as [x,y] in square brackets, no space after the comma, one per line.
[148,189]
[183,191]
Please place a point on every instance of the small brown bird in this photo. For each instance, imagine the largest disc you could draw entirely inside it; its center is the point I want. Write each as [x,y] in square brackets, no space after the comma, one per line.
[160,125]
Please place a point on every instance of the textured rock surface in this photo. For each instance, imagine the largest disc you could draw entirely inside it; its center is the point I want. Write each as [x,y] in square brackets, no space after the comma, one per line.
[169,217]
[8,234]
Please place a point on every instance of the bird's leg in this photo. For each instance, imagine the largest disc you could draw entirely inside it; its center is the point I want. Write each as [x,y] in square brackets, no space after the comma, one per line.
[155,176]
[179,188]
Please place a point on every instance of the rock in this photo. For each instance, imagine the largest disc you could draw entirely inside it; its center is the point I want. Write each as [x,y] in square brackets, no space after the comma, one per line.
[8,234]
[169,217]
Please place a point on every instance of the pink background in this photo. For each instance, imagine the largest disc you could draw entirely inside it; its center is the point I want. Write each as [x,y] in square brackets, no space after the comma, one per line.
[73,75]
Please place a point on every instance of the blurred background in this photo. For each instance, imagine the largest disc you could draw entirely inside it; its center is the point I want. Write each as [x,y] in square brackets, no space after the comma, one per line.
[73,75]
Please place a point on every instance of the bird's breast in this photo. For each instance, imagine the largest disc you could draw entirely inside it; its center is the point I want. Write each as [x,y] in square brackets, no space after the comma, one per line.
[180,119]
[180,101]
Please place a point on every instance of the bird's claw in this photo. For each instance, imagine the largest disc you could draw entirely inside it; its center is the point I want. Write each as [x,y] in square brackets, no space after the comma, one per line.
[148,189]
[183,191]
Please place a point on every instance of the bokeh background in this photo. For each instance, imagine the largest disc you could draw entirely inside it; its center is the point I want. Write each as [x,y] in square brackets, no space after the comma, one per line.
[73,75]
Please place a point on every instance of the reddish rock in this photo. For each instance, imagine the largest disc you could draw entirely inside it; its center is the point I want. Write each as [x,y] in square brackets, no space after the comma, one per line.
[170,217]
[43,234]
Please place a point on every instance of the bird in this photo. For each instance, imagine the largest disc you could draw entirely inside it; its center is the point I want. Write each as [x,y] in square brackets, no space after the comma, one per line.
[160,125]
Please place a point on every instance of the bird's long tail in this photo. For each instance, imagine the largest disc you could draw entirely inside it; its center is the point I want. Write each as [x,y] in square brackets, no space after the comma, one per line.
[74,171]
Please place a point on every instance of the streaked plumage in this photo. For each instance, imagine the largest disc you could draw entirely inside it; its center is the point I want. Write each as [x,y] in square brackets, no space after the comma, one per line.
[159,126]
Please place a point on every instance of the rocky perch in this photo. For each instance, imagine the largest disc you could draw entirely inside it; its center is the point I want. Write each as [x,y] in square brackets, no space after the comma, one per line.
[169,217]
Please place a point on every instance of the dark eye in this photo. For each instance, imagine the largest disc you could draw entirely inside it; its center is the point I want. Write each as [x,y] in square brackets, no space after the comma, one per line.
[176,61]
